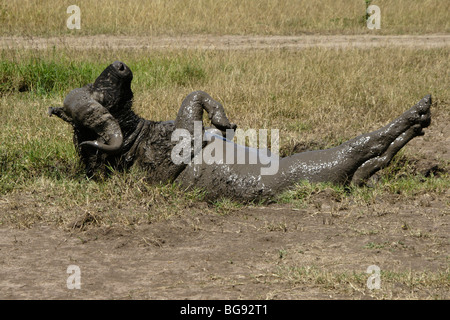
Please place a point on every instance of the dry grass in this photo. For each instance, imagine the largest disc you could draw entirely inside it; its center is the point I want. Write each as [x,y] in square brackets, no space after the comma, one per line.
[305,94]
[351,283]
[262,17]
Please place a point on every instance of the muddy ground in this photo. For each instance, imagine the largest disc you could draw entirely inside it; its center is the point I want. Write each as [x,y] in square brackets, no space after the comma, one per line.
[248,253]
[318,251]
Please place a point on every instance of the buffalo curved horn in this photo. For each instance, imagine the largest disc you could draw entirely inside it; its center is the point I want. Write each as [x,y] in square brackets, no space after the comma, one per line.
[89,114]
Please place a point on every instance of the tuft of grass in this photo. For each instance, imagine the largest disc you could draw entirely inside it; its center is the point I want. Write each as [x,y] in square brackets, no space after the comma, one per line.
[226,206]
[414,185]
[301,194]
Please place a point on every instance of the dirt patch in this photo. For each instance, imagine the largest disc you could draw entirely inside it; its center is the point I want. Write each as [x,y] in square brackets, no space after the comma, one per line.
[255,253]
[320,250]
[226,42]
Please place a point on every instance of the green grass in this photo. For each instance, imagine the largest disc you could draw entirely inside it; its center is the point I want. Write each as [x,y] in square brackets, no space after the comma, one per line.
[407,185]
[55,74]
[43,77]
[304,191]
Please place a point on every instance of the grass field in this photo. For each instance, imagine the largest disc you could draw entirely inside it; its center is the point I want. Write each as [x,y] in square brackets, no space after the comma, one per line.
[314,241]
[262,17]
[303,94]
